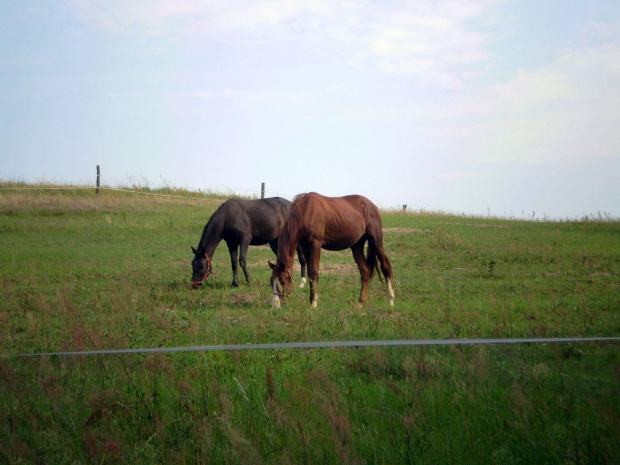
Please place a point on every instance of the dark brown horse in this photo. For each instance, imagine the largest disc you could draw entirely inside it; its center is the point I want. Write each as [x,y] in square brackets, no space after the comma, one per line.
[317,222]
[241,223]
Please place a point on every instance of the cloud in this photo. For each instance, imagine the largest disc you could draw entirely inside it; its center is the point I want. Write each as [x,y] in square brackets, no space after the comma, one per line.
[563,111]
[241,20]
[452,175]
[529,91]
[426,40]
[600,29]
[566,113]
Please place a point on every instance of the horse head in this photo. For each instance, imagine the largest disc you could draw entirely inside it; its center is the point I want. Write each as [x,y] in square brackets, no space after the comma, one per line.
[281,282]
[201,267]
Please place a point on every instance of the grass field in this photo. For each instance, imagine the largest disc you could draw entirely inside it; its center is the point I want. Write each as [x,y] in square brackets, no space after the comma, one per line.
[80,271]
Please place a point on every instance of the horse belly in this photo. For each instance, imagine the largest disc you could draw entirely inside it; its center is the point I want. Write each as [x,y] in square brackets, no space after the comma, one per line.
[341,239]
[259,241]
[335,246]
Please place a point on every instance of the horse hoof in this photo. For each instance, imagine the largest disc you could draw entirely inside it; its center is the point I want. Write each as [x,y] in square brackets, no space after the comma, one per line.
[302,283]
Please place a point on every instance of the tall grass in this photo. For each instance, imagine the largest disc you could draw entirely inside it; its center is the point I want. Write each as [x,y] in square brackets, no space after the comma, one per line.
[81,271]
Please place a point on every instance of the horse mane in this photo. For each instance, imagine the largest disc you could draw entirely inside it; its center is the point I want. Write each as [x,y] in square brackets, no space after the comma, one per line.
[298,197]
[212,232]
[288,236]
[294,219]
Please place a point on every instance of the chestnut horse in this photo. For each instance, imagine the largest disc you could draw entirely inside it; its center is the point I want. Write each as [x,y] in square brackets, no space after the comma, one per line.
[241,223]
[317,222]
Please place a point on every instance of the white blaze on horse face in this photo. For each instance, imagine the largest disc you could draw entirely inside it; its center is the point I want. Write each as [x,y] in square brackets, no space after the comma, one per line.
[302,283]
[275,301]
[390,292]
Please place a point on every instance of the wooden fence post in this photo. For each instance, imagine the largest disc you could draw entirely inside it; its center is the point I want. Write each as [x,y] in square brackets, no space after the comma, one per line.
[405,208]
[262,190]
[98,177]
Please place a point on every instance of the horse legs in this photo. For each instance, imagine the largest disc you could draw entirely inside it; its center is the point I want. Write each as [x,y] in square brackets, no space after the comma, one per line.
[274,246]
[300,255]
[232,248]
[302,262]
[386,269]
[243,255]
[362,264]
[313,256]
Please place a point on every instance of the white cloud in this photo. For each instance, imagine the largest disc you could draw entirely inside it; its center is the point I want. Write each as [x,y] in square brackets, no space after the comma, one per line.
[554,113]
[599,29]
[452,175]
[529,91]
[427,40]
[566,113]
[239,20]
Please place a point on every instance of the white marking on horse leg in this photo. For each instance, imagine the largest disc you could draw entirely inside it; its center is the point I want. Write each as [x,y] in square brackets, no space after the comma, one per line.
[390,292]
[314,292]
[275,301]
[302,283]
[315,300]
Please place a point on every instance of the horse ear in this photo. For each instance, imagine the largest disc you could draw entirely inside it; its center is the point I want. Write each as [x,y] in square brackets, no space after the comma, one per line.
[194,250]
[271,265]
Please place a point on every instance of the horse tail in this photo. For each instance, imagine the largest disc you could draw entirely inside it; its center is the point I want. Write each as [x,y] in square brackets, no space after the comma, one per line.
[371,259]
[372,214]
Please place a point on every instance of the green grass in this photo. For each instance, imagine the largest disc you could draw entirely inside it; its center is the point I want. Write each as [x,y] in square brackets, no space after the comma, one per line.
[84,271]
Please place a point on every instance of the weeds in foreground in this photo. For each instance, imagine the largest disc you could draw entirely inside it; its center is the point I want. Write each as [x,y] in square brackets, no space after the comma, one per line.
[473,405]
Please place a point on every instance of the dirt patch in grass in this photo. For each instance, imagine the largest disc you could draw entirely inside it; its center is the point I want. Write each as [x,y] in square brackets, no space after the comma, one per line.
[338,268]
[402,230]
[243,298]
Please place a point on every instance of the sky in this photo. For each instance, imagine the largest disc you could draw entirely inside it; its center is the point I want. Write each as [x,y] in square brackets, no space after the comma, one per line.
[501,107]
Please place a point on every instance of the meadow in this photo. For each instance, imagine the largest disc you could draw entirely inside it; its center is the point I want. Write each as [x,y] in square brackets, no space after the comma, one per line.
[81,271]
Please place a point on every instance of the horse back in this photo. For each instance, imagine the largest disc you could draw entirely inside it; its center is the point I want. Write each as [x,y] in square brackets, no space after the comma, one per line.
[262,219]
[339,222]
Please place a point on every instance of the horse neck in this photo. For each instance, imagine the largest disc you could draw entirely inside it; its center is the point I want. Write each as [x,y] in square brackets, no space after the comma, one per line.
[287,244]
[286,253]
[212,235]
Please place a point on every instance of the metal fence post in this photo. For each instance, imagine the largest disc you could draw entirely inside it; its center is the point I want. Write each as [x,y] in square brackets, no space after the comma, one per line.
[98,178]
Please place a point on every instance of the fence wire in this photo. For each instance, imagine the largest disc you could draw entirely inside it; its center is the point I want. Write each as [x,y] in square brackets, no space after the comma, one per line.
[321,345]
[131,191]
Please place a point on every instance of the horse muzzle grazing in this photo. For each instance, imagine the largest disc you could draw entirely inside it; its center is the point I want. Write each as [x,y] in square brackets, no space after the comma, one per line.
[281,284]
[201,266]
[275,300]
[197,283]
[280,292]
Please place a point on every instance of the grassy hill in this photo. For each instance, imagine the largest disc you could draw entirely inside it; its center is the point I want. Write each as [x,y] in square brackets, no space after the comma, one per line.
[85,271]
